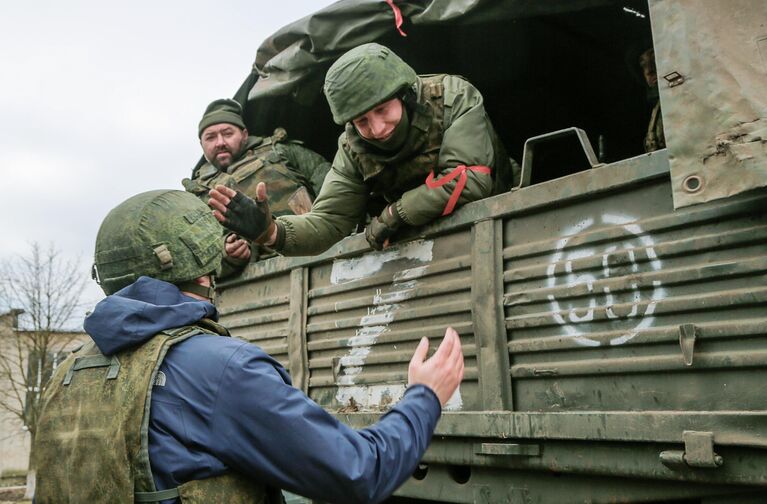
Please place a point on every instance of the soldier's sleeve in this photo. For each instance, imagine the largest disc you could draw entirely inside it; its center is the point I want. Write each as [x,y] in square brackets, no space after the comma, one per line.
[263,427]
[467,141]
[307,164]
[231,267]
[336,211]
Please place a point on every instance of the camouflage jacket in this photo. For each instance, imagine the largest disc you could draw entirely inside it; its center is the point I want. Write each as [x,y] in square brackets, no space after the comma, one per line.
[293,175]
[449,127]
[655,138]
[92,445]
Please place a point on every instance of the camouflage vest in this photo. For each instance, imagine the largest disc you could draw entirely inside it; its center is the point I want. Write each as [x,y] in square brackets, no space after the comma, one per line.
[655,138]
[388,179]
[92,439]
[288,193]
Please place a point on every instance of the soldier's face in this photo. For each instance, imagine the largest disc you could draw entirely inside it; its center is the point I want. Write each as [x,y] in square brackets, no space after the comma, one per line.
[379,122]
[221,143]
[647,63]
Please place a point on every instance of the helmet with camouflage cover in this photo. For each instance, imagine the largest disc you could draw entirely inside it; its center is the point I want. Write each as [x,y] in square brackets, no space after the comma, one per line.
[167,234]
[364,77]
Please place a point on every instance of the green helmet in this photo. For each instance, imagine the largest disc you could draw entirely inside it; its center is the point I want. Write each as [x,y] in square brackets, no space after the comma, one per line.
[364,77]
[169,235]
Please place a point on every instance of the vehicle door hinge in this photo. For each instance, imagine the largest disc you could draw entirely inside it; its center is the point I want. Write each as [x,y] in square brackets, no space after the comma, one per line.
[698,452]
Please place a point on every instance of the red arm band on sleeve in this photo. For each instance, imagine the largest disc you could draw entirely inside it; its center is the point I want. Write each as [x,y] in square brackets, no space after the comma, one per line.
[460,172]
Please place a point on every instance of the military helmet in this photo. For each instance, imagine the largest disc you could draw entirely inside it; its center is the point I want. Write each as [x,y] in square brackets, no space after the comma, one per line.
[167,234]
[364,77]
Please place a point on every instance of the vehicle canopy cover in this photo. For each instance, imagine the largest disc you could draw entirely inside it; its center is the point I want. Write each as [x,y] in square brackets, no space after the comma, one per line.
[294,53]
[284,88]
[712,69]
[711,59]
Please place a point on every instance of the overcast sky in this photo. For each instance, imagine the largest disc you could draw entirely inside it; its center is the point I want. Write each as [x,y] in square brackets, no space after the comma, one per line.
[100,100]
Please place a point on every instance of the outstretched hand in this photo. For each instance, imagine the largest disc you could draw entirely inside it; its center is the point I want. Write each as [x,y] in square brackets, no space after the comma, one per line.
[220,197]
[443,371]
[236,247]
[246,217]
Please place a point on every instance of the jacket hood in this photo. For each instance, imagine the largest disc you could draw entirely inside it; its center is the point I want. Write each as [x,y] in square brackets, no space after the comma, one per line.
[134,314]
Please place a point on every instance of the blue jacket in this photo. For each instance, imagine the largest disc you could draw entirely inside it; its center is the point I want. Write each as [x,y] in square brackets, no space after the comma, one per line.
[226,404]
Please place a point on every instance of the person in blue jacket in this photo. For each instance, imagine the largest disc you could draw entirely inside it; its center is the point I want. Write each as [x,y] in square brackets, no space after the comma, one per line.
[163,407]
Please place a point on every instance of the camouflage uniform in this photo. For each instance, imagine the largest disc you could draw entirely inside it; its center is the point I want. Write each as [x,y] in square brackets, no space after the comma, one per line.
[449,127]
[92,441]
[293,175]
[655,139]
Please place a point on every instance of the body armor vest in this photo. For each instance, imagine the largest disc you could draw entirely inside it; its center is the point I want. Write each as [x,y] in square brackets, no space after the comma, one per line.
[92,439]
[655,138]
[389,176]
[288,193]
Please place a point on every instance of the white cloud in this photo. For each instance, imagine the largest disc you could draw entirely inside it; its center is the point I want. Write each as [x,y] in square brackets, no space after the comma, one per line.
[101,100]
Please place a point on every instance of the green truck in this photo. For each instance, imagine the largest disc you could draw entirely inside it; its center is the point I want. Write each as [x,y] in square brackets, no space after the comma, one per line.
[612,308]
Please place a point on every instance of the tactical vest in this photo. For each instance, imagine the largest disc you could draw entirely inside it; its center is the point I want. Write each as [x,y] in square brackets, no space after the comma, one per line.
[92,439]
[388,179]
[655,138]
[288,193]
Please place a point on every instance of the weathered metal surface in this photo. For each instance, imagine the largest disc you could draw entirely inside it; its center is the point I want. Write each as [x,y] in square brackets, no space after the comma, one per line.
[745,429]
[487,315]
[590,279]
[259,312]
[366,315]
[614,346]
[715,110]
[520,486]
[605,323]
[297,355]
[588,412]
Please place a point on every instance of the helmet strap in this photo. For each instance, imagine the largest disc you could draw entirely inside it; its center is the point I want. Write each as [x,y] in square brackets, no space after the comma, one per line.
[195,288]
[409,98]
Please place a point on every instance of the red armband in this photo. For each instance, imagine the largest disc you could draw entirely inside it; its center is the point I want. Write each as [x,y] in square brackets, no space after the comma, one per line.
[460,172]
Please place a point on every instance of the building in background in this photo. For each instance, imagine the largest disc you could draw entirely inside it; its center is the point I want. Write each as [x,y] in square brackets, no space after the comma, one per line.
[23,372]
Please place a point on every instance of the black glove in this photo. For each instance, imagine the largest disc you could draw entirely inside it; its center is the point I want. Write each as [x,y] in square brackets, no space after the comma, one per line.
[383,227]
[249,218]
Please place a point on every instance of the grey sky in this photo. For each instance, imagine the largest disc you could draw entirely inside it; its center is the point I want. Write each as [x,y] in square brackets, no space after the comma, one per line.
[100,100]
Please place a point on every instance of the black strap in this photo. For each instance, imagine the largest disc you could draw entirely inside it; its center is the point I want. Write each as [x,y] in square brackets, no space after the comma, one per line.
[94,361]
[158,496]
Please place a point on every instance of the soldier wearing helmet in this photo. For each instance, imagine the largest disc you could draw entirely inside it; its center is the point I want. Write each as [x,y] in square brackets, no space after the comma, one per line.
[240,161]
[414,148]
[162,406]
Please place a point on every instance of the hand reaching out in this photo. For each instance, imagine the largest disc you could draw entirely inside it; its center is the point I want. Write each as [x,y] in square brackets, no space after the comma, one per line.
[236,247]
[443,371]
[243,215]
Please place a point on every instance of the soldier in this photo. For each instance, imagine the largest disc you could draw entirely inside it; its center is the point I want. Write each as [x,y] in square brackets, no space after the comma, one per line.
[235,159]
[161,405]
[414,148]
[654,138]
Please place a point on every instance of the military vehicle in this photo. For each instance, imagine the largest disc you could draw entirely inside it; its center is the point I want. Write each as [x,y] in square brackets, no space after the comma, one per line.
[611,307]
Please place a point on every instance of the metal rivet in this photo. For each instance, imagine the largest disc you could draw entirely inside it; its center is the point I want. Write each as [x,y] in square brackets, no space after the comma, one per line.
[693,184]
